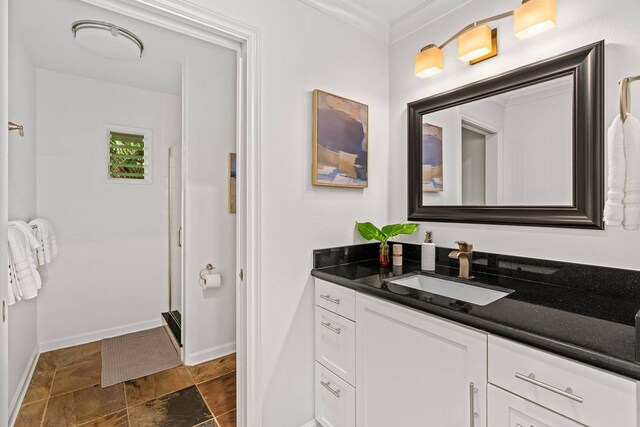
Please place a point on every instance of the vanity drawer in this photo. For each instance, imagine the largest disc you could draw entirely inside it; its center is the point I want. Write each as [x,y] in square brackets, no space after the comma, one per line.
[335,399]
[336,298]
[585,394]
[336,344]
[508,410]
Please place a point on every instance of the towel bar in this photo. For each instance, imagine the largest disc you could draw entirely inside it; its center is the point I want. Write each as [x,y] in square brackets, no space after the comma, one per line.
[625,100]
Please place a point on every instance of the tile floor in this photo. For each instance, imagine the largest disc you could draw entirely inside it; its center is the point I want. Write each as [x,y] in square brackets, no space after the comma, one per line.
[65,391]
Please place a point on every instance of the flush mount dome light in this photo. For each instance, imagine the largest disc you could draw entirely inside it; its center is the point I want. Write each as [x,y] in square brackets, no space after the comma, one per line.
[107,40]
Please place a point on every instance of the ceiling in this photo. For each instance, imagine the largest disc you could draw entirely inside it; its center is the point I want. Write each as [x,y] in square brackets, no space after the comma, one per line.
[43,29]
[391,10]
[386,20]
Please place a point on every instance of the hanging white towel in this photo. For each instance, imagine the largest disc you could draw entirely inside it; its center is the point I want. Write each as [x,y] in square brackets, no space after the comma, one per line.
[24,273]
[11,291]
[32,246]
[28,232]
[613,209]
[632,182]
[52,238]
[44,235]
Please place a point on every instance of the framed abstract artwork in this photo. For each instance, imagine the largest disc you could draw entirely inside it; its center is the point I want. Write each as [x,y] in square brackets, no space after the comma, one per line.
[432,179]
[340,141]
[232,183]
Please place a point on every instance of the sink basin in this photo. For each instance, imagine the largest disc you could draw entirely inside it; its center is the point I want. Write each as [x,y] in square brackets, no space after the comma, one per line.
[447,288]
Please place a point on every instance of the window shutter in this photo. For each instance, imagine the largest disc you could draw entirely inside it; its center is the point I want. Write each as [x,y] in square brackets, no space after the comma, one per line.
[128,156]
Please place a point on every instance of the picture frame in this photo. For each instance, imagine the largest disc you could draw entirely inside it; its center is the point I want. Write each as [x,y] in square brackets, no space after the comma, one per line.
[232,183]
[340,141]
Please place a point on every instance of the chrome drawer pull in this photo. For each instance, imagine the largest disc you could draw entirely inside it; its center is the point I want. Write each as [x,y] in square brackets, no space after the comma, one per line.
[331,328]
[328,298]
[327,385]
[472,407]
[568,393]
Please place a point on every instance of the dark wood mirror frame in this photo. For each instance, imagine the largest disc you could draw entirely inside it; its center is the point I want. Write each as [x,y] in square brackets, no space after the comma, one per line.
[586,65]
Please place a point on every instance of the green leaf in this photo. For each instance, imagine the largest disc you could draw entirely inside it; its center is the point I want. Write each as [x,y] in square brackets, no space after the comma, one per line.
[371,232]
[397,229]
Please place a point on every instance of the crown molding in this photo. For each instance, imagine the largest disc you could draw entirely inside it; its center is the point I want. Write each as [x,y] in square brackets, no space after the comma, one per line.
[358,17]
[353,15]
[423,15]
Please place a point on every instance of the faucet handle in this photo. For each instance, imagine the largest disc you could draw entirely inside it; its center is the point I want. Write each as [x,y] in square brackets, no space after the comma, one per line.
[464,246]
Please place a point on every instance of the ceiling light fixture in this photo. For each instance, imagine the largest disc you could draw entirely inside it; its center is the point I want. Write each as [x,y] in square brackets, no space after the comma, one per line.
[477,41]
[107,40]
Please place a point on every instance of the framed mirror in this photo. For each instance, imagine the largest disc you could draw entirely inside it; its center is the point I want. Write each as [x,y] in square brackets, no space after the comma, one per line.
[522,148]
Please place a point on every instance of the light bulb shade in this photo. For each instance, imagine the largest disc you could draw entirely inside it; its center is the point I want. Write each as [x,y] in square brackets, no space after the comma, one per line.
[534,17]
[474,43]
[428,62]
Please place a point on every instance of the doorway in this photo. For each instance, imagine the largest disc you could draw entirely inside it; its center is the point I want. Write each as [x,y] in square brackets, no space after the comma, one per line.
[248,259]
[481,164]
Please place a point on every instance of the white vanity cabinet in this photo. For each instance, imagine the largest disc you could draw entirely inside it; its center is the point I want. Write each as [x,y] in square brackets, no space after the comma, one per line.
[582,393]
[380,364]
[414,369]
[508,410]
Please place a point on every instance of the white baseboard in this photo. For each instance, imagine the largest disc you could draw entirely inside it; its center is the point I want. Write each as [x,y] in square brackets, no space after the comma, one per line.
[99,335]
[210,354]
[23,385]
[311,423]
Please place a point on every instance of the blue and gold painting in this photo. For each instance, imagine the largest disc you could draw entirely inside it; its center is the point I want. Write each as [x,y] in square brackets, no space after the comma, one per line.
[431,158]
[340,141]
[232,183]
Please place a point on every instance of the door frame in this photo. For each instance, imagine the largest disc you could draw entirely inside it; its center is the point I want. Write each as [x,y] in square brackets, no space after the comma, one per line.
[196,21]
[4,209]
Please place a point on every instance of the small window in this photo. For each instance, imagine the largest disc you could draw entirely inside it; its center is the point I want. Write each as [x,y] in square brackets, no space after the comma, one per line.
[129,155]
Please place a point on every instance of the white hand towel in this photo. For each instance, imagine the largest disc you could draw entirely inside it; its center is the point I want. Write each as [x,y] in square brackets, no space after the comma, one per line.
[14,279]
[18,249]
[42,233]
[11,299]
[52,238]
[28,232]
[632,183]
[613,209]
[32,246]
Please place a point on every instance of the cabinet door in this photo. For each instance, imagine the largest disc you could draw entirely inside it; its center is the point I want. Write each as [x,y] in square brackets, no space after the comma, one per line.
[507,410]
[336,344]
[414,369]
[334,399]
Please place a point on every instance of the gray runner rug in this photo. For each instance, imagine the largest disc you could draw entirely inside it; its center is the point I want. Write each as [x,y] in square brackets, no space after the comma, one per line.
[136,355]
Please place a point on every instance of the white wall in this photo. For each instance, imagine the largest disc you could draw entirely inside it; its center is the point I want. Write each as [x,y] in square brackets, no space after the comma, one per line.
[111,272]
[23,334]
[579,23]
[210,230]
[536,155]
[303,49]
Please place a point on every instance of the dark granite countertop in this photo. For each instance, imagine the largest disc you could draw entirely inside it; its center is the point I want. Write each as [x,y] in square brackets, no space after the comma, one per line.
[584,319]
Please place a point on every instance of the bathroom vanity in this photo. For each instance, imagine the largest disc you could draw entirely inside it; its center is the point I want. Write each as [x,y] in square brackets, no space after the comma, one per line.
[525,343]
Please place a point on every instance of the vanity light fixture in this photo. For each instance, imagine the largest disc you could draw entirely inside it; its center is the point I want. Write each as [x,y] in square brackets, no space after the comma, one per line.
[474,43]
[534,17]
[477,41]
[428,61]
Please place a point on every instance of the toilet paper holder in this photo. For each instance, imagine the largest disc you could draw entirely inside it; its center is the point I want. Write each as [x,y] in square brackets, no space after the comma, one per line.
[207,268]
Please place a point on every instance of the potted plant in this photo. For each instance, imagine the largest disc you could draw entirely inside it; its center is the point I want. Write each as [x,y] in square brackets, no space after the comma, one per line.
[370,232]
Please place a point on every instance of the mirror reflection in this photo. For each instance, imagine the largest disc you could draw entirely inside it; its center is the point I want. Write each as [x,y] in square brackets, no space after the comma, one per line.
[511,149]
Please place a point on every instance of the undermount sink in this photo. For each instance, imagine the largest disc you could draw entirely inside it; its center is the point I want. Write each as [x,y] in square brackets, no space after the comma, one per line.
[459,291]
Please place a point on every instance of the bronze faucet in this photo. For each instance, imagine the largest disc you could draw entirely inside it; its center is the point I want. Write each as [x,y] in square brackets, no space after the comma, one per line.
[464,255]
